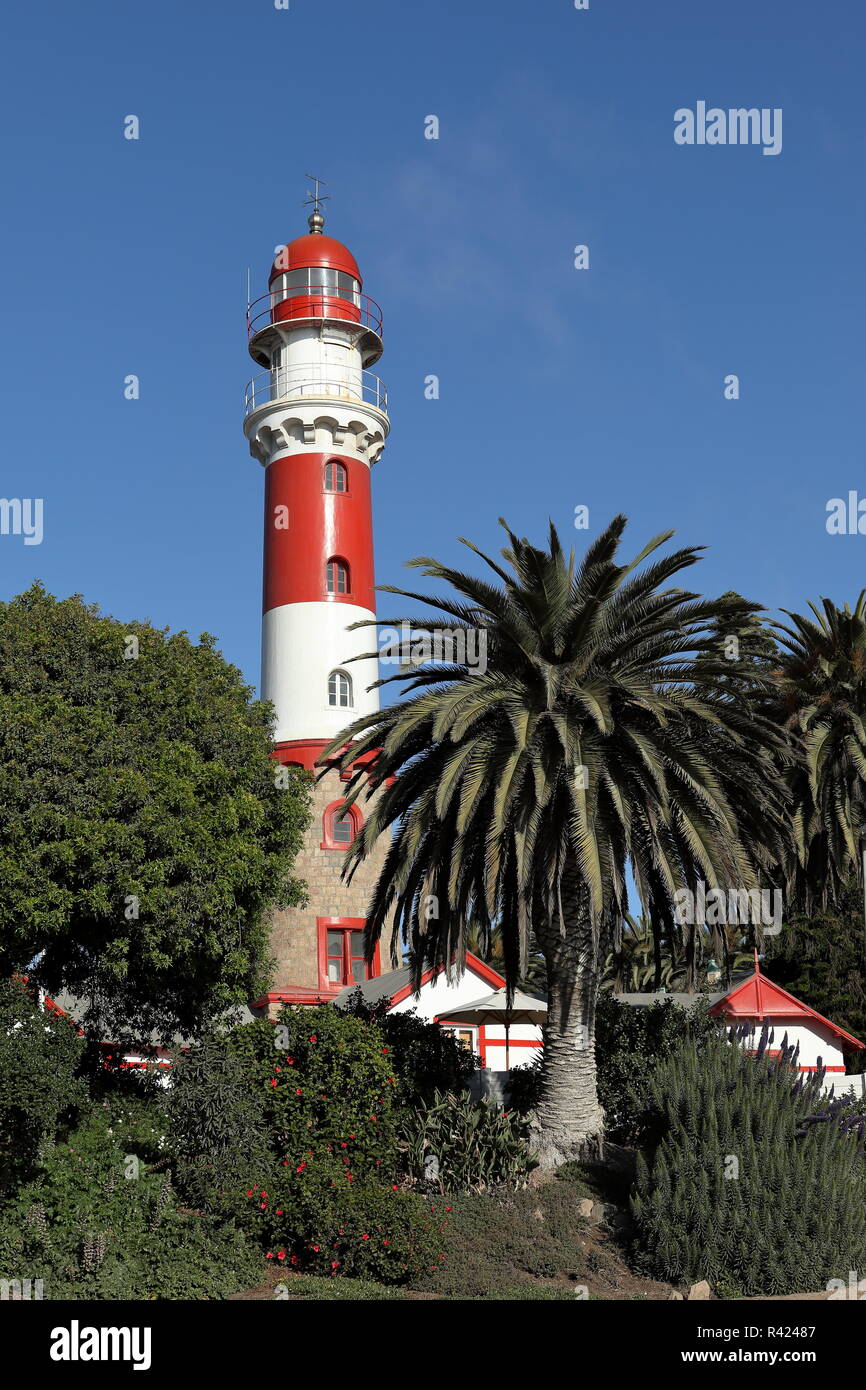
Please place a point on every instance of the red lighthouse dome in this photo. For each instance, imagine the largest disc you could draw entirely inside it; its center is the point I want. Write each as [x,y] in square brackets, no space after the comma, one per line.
[315,250]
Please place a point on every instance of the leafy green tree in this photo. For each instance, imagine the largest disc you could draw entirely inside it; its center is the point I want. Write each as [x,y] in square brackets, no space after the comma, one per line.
[516,789]
[143,832]
[820,699]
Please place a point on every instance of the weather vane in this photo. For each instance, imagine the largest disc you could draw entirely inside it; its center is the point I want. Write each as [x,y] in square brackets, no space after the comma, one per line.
[315,199]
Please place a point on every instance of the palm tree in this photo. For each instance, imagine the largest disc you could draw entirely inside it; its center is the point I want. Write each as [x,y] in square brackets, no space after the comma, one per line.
[820,698]
[645,963]
[516,791]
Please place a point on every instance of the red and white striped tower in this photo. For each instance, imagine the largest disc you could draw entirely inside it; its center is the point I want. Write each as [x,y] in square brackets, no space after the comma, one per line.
[316,419]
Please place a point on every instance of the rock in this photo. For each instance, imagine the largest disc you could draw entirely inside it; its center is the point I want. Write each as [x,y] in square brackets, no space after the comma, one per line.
[597,1214]
[675,1293]
[698,1291]
[585,1206]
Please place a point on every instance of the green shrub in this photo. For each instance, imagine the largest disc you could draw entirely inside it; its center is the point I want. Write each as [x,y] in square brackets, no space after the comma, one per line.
[496,1243]
[756,1183]
[40,1088]
[524,1085]
[259,1099]
[463,1145]
[426,1058]
[631,1044]
[323,1220]
[218,1134]
[95,1223]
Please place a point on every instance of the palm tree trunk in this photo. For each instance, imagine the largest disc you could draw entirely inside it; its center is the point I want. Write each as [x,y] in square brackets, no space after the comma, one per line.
[569,1118]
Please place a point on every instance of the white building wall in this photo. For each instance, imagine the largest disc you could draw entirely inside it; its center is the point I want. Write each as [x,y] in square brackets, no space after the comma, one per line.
[814,1039]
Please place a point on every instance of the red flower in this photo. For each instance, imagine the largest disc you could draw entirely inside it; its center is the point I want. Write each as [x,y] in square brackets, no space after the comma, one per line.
[270,1255]
[291,1061]
[335,1264]
[294,1260]
[281,1254]
[277,1068]
[386,1242]
[279,1211]
[299,1092]
[274,1082]
[250,1193]
[312,1037]
[315,1247]
[300,1168]
[365,1237]
[263,1206]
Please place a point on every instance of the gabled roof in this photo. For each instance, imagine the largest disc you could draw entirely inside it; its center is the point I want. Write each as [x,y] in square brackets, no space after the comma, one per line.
[758,998]
[396,985]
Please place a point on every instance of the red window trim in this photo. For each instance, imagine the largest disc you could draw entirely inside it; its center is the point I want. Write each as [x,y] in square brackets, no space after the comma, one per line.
[328,841]
[323,926]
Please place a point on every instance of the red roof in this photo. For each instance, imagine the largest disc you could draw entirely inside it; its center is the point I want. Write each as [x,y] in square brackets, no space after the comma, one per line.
[316,249]
[473,963]
[758,998]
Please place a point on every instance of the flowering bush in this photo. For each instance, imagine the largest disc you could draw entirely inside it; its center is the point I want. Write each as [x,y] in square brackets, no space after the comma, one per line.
[323,1081]
[324,1221]
[292,1126]
[427,1058]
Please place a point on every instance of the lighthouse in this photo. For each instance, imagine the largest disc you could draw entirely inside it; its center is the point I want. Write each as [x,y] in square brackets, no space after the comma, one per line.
[316,420]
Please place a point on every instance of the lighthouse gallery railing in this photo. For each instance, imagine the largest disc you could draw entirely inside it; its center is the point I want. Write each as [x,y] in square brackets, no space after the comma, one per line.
[306,380]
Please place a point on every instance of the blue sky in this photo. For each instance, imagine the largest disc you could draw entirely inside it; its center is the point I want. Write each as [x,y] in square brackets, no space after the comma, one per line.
[559,387]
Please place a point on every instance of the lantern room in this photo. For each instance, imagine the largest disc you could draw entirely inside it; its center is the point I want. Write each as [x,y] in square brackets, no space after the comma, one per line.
[315,281]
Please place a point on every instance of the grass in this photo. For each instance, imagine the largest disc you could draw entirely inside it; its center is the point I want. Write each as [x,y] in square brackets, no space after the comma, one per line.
[362,1290]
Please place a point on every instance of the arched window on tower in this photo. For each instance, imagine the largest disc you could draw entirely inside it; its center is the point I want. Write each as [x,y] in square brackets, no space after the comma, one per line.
[340,825]
[337,576]
[336,476]
[340,690]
